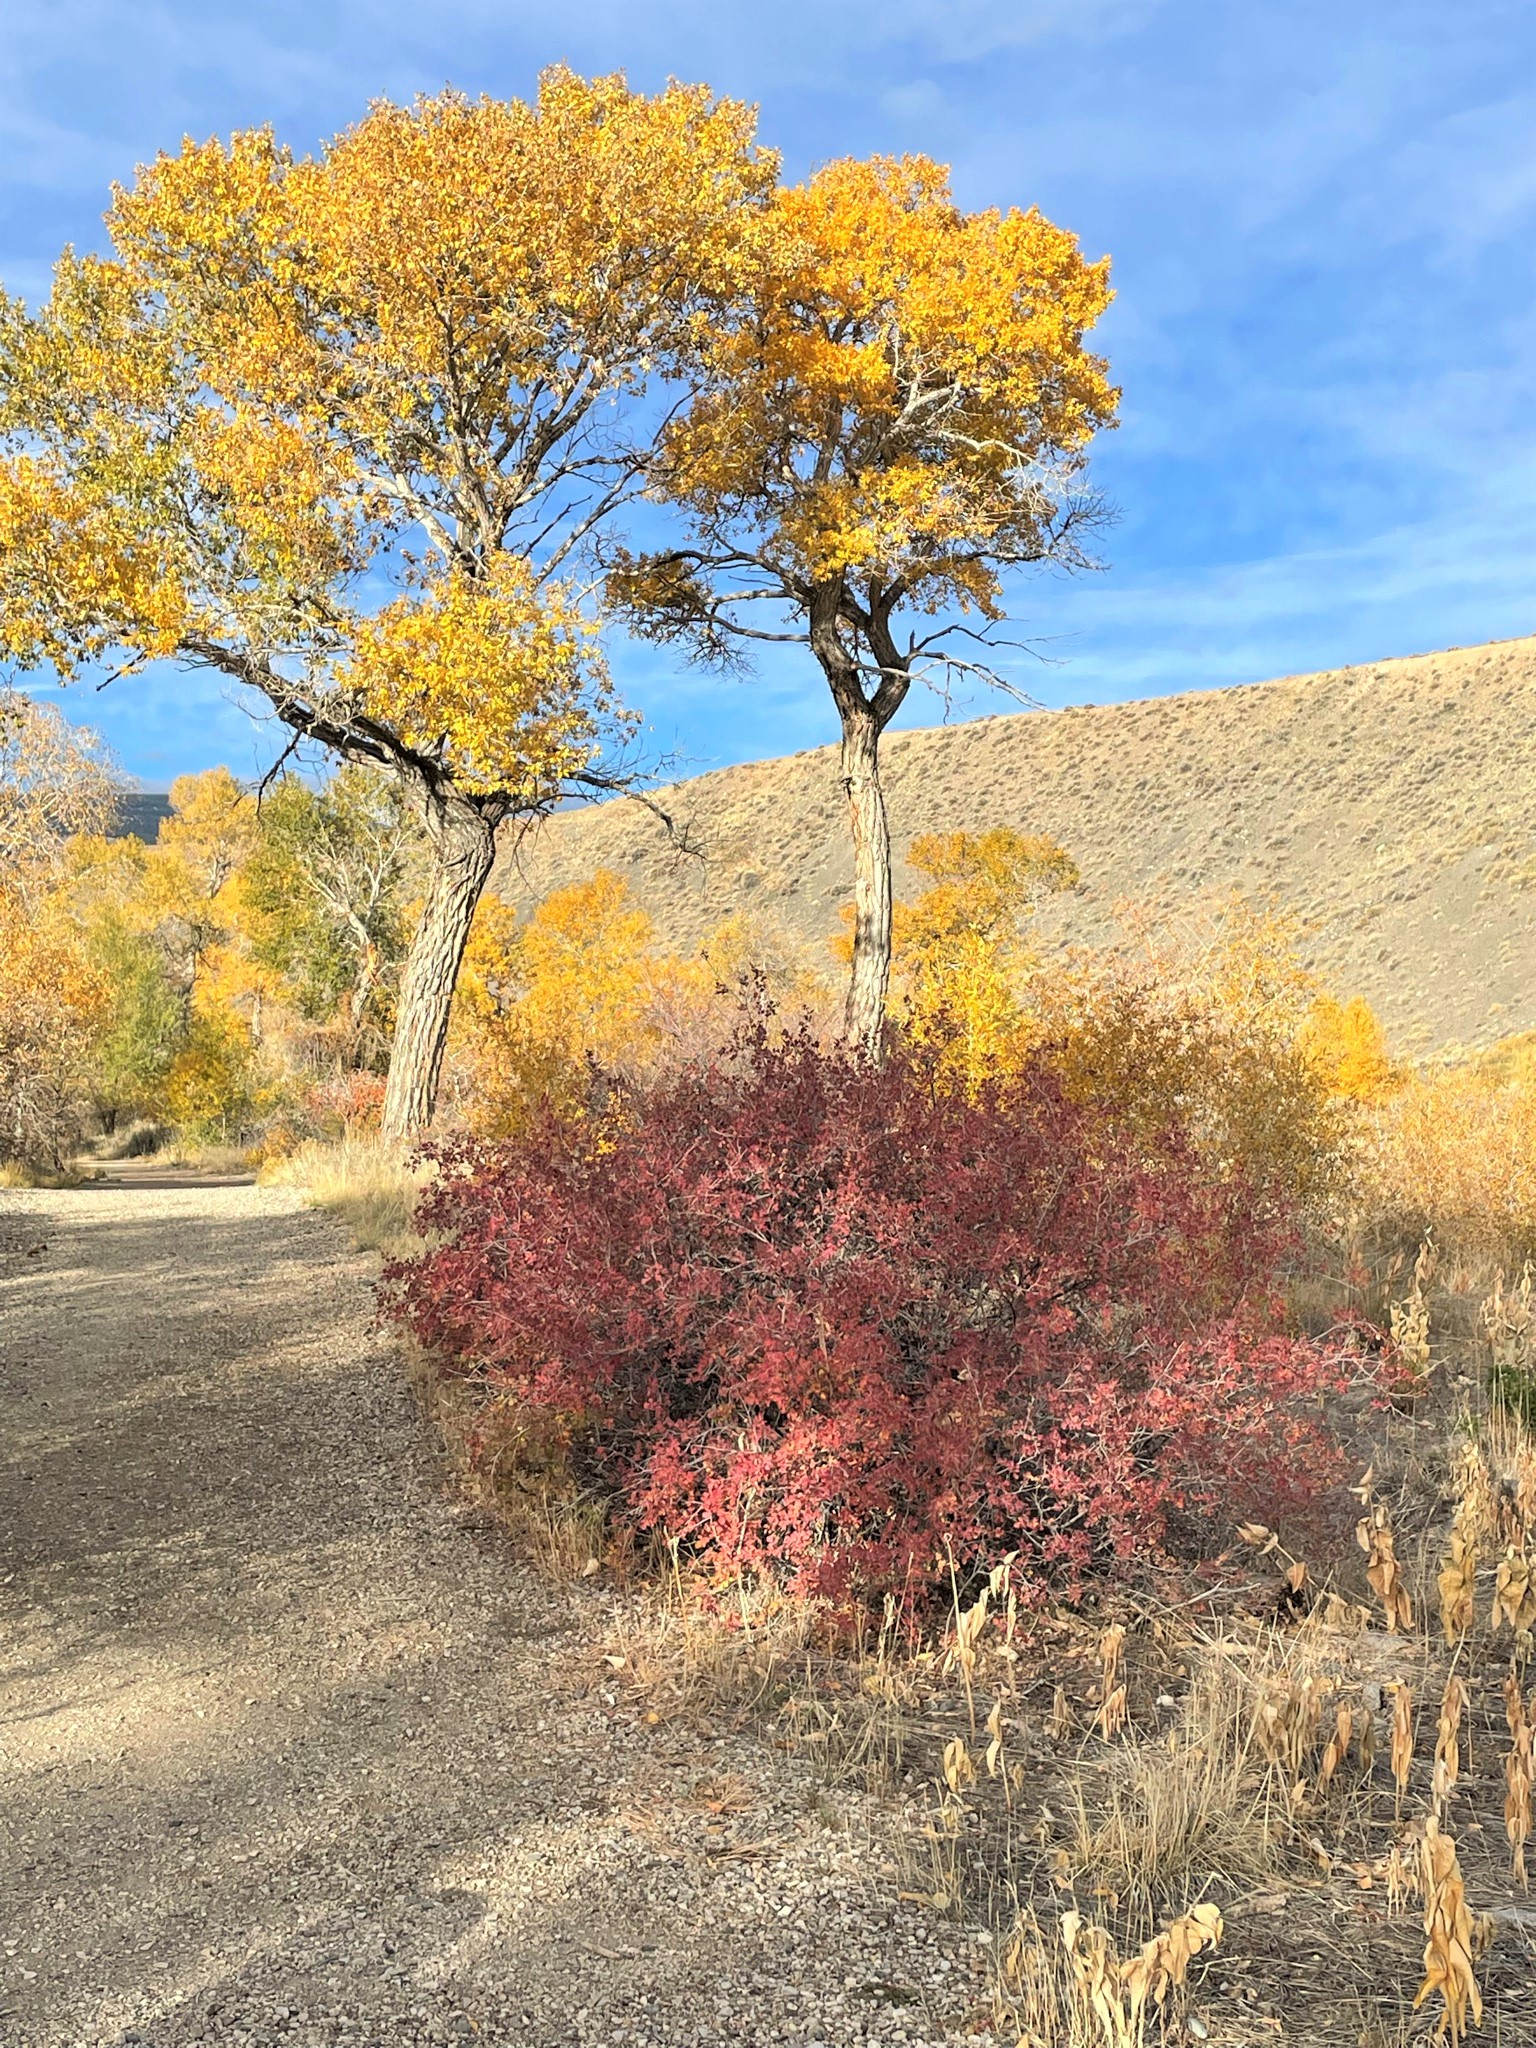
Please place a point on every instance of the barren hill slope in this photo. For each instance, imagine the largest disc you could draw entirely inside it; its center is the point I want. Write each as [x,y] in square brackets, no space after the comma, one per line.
[1392,806]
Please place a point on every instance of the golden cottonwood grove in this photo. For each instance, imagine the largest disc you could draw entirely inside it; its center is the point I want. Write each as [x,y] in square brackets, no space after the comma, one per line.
[410,360]
[55,781]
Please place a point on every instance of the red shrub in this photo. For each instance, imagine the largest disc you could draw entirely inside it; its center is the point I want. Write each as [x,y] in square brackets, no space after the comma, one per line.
[823,1321]
[345,1103]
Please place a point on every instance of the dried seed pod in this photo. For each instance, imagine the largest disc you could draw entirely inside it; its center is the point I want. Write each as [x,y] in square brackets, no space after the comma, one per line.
[1449,1935]
[959,1770]
[1311,1697]
[1059,1726]
[1514,1594]
[1366,1746]
[1112,1715]
[995,1738]
[1402,1876]
[1114,1995]
[1477,1516]
[1458,1587]
[1453,1706]
[1374,1535]
[1525,1487]
[1517,1776]
[1294,1598]
[1402,1738]
[1517,1801]
[1096,1973]
[965,1648]
[1269,1727]
[1514,1705]
[1111,1644]
[1338,1745]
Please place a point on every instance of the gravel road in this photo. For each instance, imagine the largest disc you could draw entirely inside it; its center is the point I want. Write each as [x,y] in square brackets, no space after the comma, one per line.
[293,1751]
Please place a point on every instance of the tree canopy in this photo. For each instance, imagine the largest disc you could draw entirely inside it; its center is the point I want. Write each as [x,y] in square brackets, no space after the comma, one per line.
[341,427]
[895,418]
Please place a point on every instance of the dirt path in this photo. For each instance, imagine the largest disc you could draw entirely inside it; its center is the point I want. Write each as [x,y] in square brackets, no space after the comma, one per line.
[292,1752]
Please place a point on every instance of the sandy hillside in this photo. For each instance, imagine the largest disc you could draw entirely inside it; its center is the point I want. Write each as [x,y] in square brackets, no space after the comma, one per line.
[1391,806]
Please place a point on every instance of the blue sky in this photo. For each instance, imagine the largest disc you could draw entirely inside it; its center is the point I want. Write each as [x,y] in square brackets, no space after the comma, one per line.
[1320,214]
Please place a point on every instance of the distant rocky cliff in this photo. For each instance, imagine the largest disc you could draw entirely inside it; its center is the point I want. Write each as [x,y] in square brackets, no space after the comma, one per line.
[139,813]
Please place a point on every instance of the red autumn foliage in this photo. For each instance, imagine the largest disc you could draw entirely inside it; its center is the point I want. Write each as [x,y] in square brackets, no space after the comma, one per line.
[345,1103]
[829,1322]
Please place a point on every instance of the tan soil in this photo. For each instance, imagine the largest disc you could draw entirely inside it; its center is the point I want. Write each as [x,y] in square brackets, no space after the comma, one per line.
[292,1750]
[1388,806]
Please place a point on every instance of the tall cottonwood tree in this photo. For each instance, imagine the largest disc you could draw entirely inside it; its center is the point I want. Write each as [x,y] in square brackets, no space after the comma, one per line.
[895,417]
[55,779]
[341,427]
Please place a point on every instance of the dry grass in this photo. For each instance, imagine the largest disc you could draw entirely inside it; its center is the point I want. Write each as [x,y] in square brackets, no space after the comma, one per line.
[1452,1155]
[1157,1821]
[1078,1991]
[208,1158]
[1249,1765]
[363,1181]
[21,1173]
[731,1664]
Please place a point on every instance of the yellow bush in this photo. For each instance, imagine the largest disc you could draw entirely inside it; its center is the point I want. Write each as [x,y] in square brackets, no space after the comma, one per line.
[211,1090]
[1199,1023]
[1153,1053]
[52,1003]
[582,980]
[1346,1045]
[1452,1153]
[960,951]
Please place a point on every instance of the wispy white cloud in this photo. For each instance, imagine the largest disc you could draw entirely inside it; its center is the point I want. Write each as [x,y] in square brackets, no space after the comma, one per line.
[1320,218]
[1453,579]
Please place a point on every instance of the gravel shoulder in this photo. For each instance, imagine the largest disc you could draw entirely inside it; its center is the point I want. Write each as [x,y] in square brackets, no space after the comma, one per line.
[293,1750]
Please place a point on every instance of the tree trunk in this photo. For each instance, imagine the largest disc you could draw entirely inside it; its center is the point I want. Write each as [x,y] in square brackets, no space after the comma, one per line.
[357,1005]
[864,718]
[463,842]
[864,1018]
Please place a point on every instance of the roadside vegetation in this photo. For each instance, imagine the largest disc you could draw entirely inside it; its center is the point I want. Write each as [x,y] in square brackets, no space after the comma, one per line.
[995,1424]
[1088,1397]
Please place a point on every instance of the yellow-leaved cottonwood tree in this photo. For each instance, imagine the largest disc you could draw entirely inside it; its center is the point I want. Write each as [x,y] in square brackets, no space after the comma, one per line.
[895,416]
[55,779]
[342,427]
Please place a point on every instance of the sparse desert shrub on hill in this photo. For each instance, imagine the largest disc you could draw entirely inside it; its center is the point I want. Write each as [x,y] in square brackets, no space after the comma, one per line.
[826,1323]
